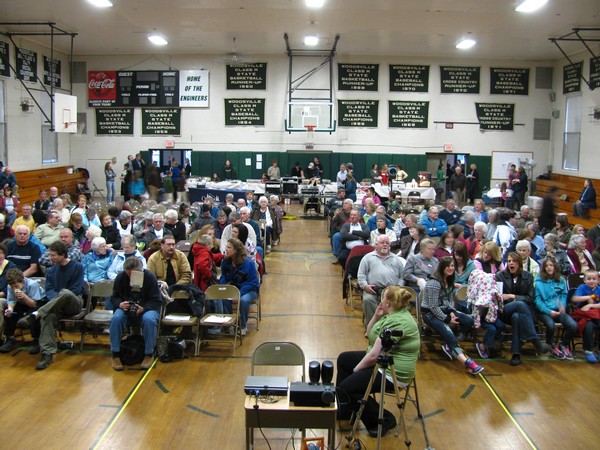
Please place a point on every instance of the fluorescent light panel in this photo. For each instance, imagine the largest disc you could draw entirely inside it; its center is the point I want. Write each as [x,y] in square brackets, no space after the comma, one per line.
[314,3]
[311,40]
[101,3]
[466,43]
[528,6]
[157,39]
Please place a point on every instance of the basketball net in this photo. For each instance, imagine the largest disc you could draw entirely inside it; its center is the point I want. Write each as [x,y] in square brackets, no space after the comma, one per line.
[310,137]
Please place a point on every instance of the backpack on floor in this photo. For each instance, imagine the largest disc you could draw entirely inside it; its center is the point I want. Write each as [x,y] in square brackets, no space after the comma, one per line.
[132,350]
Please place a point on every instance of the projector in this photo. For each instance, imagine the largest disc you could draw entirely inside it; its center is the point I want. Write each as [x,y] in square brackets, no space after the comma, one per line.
[308,394]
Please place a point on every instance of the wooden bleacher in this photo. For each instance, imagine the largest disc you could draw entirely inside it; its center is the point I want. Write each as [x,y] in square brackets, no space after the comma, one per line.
[571,187]
[32,181]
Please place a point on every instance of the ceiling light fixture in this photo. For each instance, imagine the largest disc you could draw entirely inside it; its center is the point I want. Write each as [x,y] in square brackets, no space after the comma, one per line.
[157,39]
[466,43]
[527,6]
[311,41]
[101,3]
[314,3]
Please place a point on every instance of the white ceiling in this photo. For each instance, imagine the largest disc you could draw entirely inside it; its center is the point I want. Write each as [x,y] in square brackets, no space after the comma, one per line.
[428,28]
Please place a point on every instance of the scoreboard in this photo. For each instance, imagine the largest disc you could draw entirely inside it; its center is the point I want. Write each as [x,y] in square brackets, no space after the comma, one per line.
[146,88]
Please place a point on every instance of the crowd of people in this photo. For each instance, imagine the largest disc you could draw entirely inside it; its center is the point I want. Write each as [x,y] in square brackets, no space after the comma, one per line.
[71,246]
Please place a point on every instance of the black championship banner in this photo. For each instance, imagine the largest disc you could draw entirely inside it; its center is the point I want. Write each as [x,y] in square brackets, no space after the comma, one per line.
[114,121]
[26,65]
[572,78]
[4,59]
[245,111]
[460,80]
[496,116]
[404,78]
[508,81]
[358,113]
[161,121]
[52,69]
[594,73]
[408,114]
[247,76]
[358,77]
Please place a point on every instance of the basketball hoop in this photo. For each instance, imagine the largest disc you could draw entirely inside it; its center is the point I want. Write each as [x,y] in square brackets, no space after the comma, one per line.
[310,135]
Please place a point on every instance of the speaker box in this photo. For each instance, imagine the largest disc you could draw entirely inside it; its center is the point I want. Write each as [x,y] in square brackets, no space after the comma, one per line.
[306,394]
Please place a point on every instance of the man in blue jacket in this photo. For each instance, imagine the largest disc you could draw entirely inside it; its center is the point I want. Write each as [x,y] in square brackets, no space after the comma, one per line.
[64,289]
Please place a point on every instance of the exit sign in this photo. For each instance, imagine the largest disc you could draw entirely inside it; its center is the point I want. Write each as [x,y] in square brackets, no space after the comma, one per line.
[448,147]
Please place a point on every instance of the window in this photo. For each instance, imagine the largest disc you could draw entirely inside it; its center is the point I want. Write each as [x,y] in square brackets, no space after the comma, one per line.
[572,134]
[49,145]
[3,150]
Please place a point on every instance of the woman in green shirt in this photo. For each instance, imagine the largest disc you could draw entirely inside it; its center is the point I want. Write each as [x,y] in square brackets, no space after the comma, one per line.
[355,368]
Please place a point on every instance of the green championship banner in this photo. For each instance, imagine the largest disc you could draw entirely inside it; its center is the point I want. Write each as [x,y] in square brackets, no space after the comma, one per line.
[405,78]
[506,81]
[245,111]
[358,77]
[358,113]
[496,116]
[460,80]
[161,121]
[114,121]
[408,114]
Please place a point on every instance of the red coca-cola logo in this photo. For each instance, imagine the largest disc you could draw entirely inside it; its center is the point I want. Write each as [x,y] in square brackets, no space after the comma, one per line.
[102,85]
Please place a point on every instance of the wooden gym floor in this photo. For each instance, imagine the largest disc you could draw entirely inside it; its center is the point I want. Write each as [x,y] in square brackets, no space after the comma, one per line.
[79,402]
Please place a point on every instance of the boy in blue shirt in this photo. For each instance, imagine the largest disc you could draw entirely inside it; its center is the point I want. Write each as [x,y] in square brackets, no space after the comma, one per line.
[587,301]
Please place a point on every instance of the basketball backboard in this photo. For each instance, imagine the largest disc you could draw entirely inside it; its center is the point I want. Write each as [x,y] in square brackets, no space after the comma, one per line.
[301,114]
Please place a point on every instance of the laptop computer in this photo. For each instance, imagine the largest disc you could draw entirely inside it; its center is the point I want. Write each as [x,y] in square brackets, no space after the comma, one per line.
[266,385]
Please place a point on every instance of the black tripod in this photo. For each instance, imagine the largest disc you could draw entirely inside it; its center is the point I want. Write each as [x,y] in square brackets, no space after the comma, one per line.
[385,361]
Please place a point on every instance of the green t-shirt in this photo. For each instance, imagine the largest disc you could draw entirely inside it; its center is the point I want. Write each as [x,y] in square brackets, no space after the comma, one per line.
[406,353]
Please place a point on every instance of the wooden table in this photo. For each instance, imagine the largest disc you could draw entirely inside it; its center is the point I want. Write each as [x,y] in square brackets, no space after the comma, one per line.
[285,415]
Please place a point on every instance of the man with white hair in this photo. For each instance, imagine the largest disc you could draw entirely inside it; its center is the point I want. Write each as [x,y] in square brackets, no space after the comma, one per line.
[450,214]
[157,230]
[377,270]
[23,252]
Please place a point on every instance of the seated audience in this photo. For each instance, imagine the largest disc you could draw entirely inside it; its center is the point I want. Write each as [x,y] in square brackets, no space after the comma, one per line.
[24,252]
[25,218]
[239,270]
[50,231]
[128,249]
[439,313]
[445,246]
[519,296]
[477,239]
[581,259]
[76,226]
[109,232]
[551,248]
[434,226]
[64,290]
[131,307]
[9,205]
[22,298]
[169,264]
[174,225]
[523,248]
[382,228]
[376,271]
[6,232]
[355,368]
[157,230]
[421,266]
[92,232]
[353,233]
[410,244]
[586,201]
[563,230]
[587,315]
[74,253]
[489,259]
[551,305]
[450,214]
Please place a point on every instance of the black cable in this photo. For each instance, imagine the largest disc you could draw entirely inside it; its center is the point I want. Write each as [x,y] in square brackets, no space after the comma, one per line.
[256,408]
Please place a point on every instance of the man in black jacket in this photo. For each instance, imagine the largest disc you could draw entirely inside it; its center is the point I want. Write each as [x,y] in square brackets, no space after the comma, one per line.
[138,303]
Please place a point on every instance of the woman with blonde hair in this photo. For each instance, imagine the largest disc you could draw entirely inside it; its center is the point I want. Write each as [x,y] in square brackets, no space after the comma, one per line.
[355,368]
[489,259]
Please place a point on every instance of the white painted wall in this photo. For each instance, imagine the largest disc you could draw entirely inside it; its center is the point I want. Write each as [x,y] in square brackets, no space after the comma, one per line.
[204,130]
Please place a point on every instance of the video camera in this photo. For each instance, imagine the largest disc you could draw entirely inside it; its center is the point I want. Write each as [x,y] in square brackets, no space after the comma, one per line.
[136,281]
[387,341]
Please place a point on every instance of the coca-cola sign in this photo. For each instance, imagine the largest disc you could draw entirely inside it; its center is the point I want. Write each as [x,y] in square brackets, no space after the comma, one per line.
[102,88]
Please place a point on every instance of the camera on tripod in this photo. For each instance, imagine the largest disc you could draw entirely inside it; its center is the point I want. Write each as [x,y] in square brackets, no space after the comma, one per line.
[387,341]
